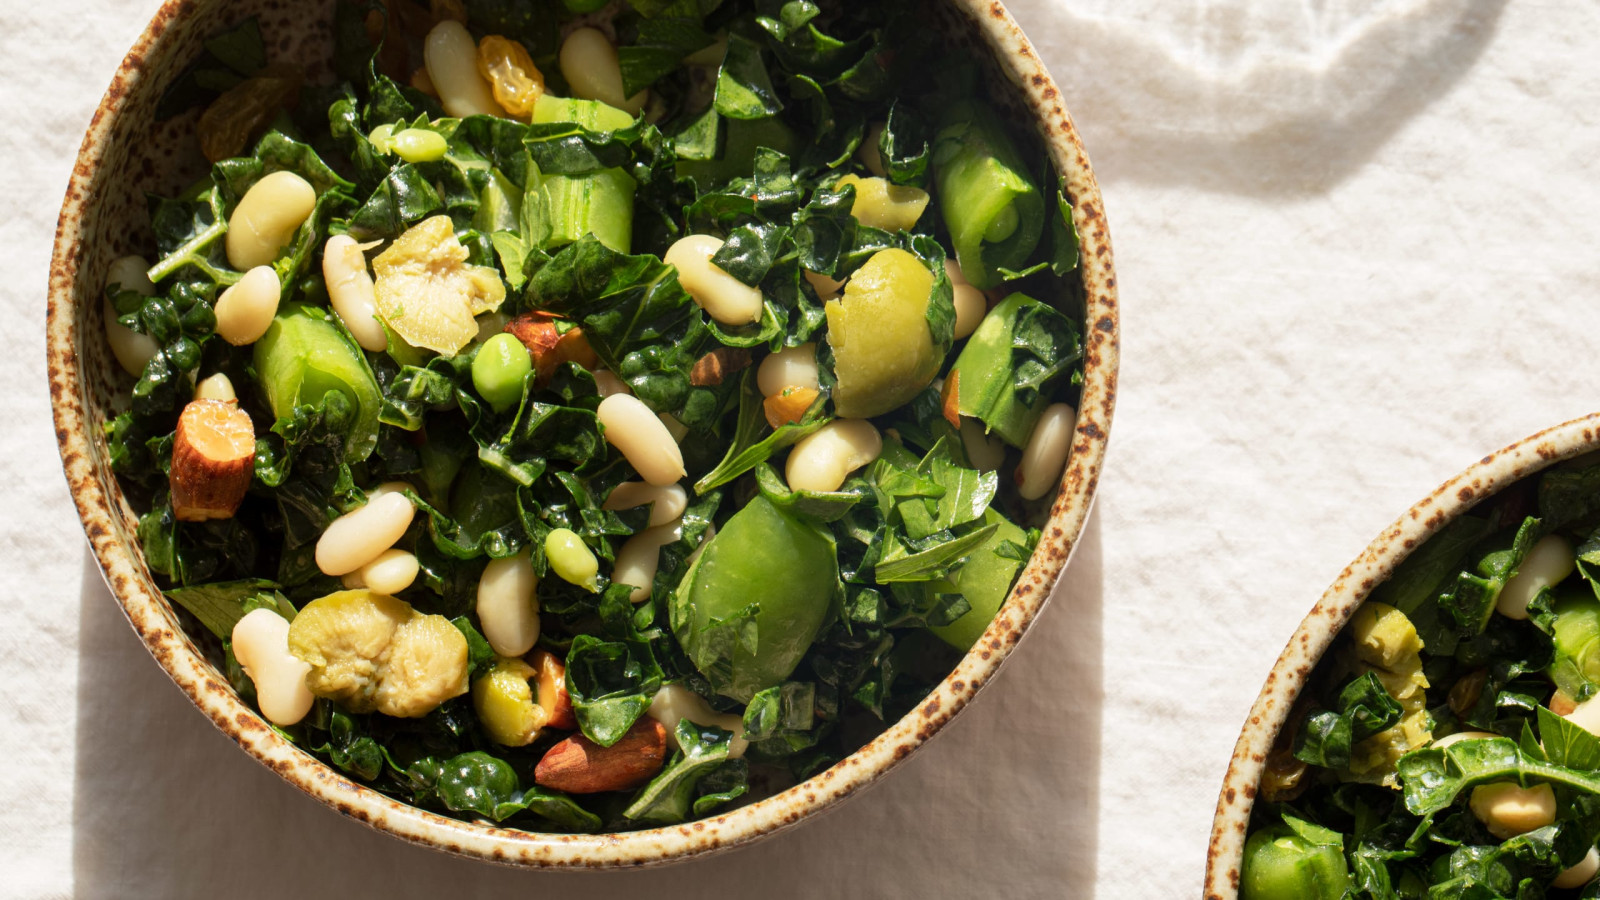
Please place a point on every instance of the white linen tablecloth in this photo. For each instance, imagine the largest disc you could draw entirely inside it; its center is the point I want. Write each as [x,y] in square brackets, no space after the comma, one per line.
[1357,250]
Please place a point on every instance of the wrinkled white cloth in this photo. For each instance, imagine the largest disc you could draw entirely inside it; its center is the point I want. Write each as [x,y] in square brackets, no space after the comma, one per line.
[1356,248]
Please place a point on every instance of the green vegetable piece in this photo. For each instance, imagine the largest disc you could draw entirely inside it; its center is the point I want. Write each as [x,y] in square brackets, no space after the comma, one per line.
[499,370]
[572,559]
[985,580]
[1576,670]
[762,590]
[591,114]
[883,349]
[1006,374]
[1294,861]
[221,605]
[598,203]
[737,160]
[994,211]
[302,357]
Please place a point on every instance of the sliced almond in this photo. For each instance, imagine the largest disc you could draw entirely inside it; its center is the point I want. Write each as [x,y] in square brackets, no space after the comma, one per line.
[788,405]
[549,346]
[213,458]
[553,697]
[578,765]
[714,368]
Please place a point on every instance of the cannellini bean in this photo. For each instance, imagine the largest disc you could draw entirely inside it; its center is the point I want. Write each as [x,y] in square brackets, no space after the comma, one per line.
[985,451]
[351,291]
[667,502]
[216,387]
[1547,563]
[357,537]
[826,288]
[952,270]
[128,273]
[589,63]
[608,384]
[1507,809]
[451,56]
[789,368]
[391,572]
[131,348]
[676,429]
[640,556]
[1449,739]
[266,218]
[723,297]
[632,428]
[1046,453]
[971,307]
[674,703]
[245,309]
[1580,874]
[868,152]
[823,459]
[261,645]
[1585,715]
[508,607]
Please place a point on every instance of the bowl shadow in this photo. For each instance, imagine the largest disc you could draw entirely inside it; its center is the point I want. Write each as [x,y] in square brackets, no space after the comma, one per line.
[166,805]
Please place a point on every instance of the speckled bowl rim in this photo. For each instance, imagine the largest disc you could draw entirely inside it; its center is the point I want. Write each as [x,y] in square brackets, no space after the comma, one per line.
[1450,500]
[98,500]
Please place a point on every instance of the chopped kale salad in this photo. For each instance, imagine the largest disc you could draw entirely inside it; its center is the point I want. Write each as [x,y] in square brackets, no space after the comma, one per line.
[583,416]
[1446,746]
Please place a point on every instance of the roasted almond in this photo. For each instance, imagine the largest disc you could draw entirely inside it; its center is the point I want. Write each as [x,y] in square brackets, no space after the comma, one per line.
[950,398]
[578,765]
[788,405]
[549,346]
[713,368]
[213,459]
[553,698]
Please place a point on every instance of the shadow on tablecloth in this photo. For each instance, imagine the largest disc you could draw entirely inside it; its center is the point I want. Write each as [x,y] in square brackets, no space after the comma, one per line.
[166,806]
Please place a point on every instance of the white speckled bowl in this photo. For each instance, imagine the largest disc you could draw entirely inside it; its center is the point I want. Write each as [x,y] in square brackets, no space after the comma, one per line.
[1481,480]
[124,155]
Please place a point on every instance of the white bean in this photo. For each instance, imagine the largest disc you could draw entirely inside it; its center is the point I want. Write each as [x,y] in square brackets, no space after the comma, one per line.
[590,65]
[1507,809]
[632,428]
[131,348]
[391,572]
[971,307]
[822,460]
[868,152]
[508,608]
[952,269]
[1579,875]
[1046,453]
[351,291]
[1586,716]
[451,57]
[640,556]
[674,703]
[676,429]
[267,217]
[356,538]
[261,645]
[245,309]
[216,387]
[723,297]
[826,288]
[984,451]
[128,273]
[1547,563]
[607,384]
[788,368]
[666,503]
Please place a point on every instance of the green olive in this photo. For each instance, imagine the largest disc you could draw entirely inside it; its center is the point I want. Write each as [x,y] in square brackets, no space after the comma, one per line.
[883,350]
[499,369]
[1280,864]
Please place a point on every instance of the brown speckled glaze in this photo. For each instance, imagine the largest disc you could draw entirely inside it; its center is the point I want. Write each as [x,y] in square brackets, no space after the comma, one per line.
[124,155]
[1453,498]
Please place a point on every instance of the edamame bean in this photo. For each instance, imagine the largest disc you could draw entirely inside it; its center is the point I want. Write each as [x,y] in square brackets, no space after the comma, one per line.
[1507,809]
[1549,561]
[351,291]
[379,138]
[418,145]
[216,387]
[1046,454]
[589,63]
[508,606]
[267,217]
[642,438]
[640,556]
[260,643]
[723,297]
[356,538]
[499,370]
[451,56]
[823,459]
[791,367]
[666,503]
[245,310]
[131,348]
[572,559]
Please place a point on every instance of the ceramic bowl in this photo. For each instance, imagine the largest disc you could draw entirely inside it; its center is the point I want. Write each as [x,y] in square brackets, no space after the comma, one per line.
[1481,480]
[126,153]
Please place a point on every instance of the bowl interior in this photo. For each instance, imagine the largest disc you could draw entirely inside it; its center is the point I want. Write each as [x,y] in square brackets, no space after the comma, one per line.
[128,154]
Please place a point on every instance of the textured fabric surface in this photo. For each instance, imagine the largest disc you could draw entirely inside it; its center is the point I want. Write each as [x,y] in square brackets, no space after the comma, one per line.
[1356,251]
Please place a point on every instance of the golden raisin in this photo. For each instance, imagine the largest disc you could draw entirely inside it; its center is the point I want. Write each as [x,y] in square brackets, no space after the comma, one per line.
[517,83]
[787,406]
[244,110]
